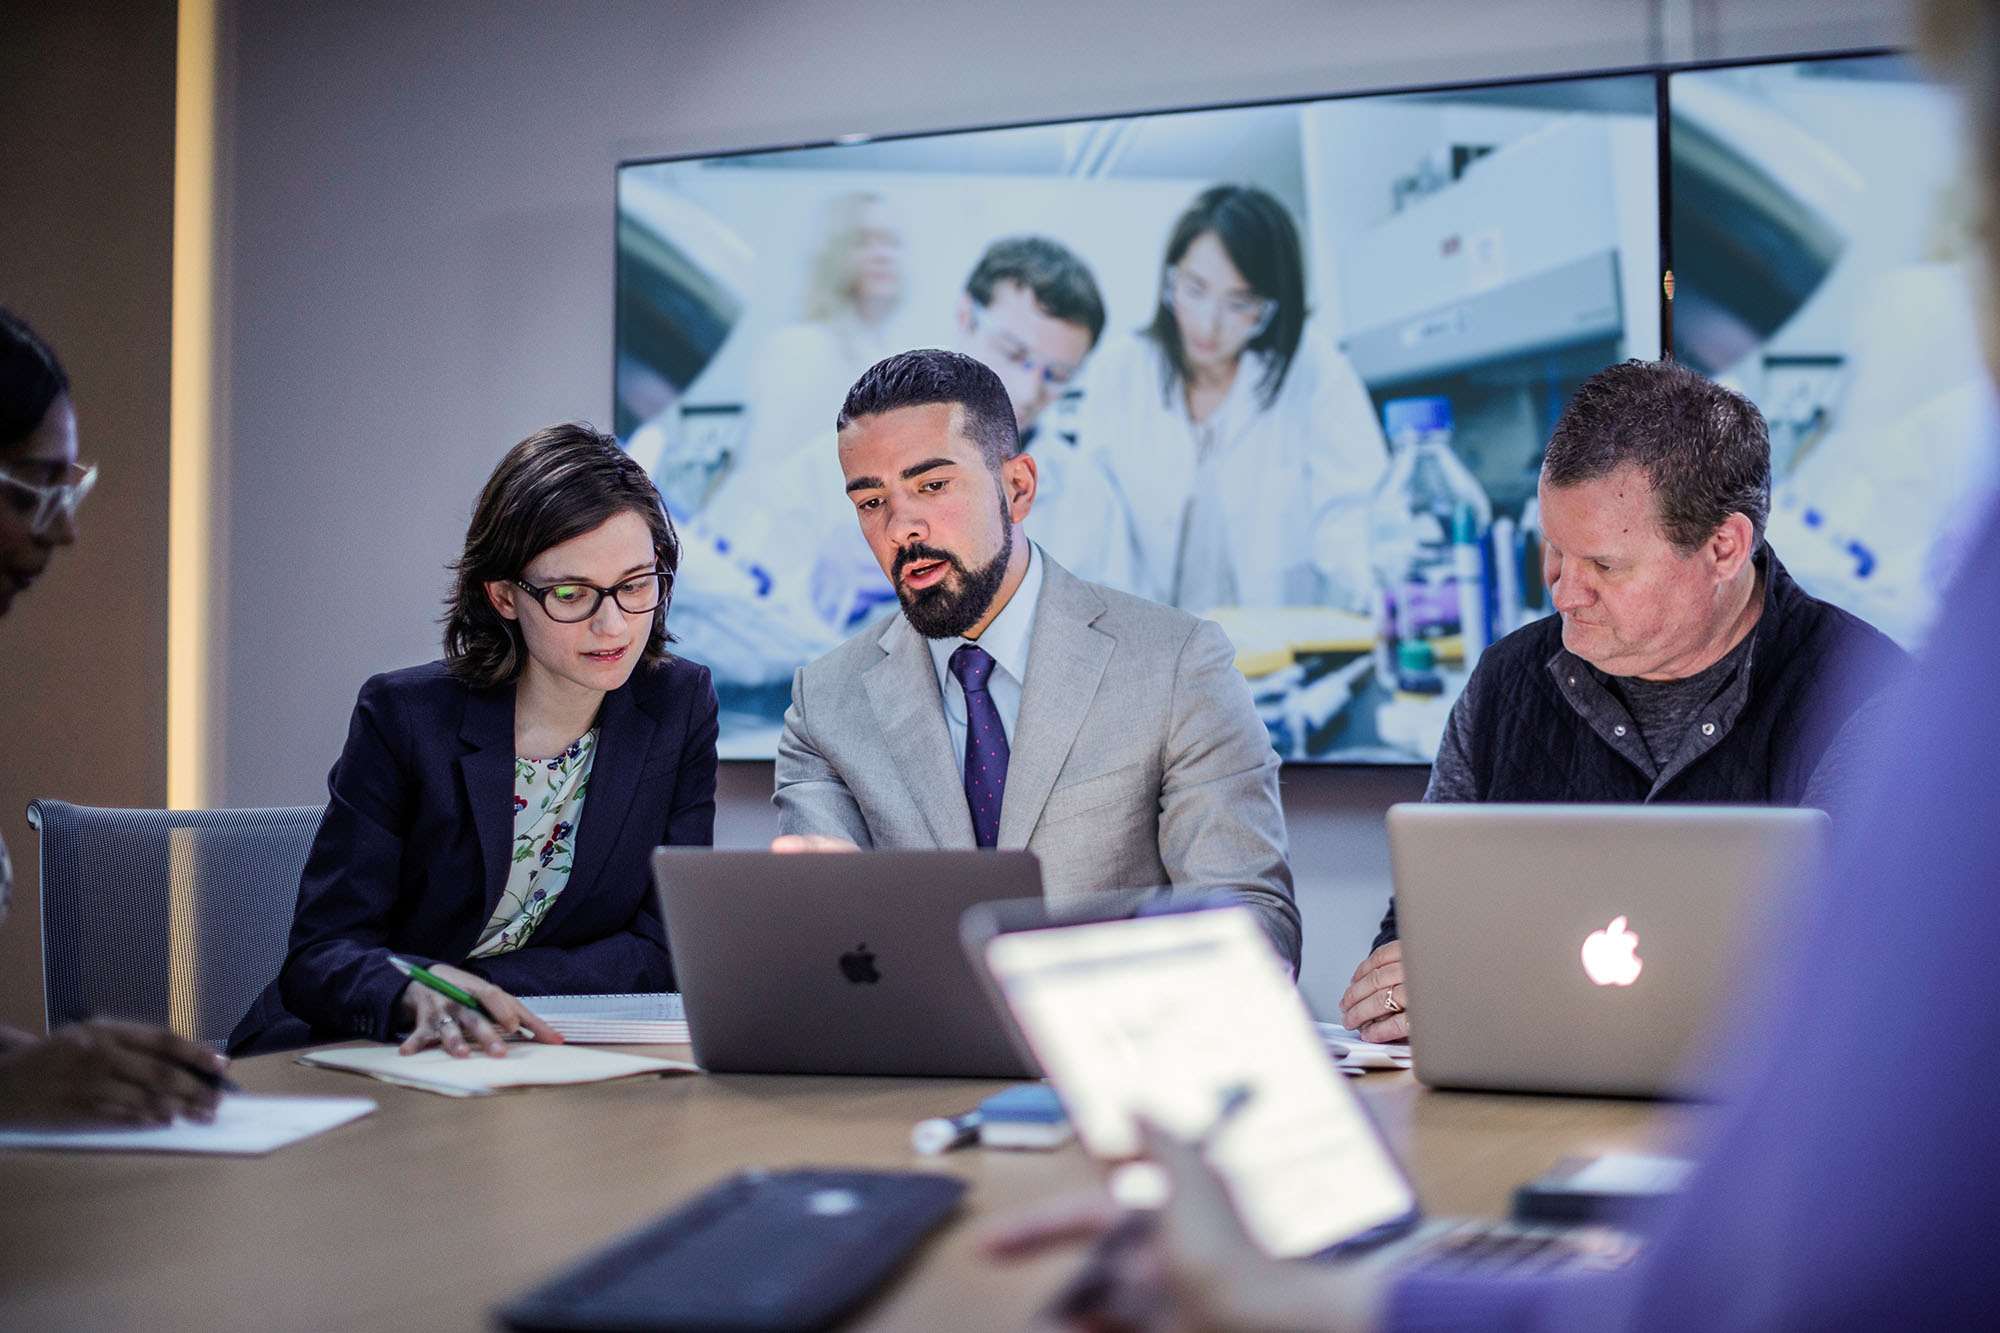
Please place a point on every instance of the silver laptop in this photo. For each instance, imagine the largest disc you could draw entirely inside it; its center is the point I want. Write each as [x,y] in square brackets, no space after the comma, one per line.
[837,963]
[1584,948]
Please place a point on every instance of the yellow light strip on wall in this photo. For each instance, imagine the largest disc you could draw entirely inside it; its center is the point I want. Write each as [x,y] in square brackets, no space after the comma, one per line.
[191,413]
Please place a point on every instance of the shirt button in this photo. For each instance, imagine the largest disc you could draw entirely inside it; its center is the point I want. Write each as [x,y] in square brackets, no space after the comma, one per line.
[1708,728]
[1572,680]
[1618,731]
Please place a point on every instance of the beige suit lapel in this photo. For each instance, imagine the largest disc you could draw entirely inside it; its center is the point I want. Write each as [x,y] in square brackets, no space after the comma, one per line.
[1066,661]
[903,688]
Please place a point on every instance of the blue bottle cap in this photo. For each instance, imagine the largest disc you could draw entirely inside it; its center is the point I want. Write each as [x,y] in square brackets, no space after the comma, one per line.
[1415,414]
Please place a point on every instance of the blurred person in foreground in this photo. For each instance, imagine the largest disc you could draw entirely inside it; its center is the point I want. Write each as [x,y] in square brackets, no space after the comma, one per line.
[1851,1183]
[100,1071]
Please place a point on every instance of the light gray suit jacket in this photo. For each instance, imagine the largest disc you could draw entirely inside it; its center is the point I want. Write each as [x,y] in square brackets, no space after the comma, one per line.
[1137,762]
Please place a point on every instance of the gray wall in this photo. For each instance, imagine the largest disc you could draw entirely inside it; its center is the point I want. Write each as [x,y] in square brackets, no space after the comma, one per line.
[86,245]
[417,270]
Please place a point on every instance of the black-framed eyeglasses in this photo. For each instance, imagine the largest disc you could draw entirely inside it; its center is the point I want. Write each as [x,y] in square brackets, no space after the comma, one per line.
[568,603]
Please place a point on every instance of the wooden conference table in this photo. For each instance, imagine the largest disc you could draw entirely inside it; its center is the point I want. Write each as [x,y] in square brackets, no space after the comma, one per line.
[434,1209]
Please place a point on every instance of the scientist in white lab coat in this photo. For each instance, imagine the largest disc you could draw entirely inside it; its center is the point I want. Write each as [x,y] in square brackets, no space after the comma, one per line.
[1242,442]
[854,289]
[775,571]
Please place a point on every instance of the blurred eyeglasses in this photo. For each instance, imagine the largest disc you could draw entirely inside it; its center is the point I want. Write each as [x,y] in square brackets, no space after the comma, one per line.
[1056,374]
[44,504]
[1190,296]
[569,603]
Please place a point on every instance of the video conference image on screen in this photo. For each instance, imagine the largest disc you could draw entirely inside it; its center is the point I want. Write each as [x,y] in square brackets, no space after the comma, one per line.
[1291,367]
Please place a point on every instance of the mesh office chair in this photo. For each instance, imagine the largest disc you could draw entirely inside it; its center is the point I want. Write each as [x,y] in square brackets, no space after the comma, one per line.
[176,917]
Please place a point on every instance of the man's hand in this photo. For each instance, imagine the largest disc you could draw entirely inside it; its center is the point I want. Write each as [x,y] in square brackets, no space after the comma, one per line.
[436,1021]
[811,842]
[1190,1265]
[105,1072]
[1377,1003]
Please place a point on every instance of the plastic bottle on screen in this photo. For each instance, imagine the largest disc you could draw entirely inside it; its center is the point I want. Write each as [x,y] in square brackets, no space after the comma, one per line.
[1427,523]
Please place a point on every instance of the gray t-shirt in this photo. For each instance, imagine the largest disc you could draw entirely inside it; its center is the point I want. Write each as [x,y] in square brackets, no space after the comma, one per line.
[1664,710]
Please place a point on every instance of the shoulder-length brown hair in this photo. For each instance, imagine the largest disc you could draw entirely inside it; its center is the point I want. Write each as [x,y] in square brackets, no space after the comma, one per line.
[557,484]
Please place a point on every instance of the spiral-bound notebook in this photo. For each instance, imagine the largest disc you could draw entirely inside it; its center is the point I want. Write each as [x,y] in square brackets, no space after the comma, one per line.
[613,1019]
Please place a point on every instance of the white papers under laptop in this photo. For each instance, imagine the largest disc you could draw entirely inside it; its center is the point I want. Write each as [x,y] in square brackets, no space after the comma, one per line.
[244,1126]
[641,1018]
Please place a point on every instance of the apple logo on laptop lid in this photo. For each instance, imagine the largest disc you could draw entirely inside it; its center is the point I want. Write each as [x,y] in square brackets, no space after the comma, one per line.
[1611,956]
[858,966]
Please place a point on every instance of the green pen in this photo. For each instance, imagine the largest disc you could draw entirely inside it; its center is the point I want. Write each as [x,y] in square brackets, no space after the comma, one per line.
[426,977]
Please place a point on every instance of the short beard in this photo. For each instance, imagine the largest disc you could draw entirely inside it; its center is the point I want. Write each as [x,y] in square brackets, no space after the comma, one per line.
[938,612]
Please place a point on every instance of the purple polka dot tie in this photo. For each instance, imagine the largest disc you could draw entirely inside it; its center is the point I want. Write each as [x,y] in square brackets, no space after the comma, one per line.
[985,743]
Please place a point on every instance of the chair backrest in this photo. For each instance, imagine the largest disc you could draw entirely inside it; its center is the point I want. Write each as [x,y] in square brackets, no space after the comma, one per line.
[176,917]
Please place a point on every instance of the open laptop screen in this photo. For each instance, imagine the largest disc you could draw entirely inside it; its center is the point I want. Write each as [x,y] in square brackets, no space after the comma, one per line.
[1169,1016]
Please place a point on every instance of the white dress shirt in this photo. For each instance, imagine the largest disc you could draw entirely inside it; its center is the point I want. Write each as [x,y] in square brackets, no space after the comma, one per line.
[1006,642]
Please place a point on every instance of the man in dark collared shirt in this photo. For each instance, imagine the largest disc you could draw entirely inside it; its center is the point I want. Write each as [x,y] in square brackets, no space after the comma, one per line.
[1683,663]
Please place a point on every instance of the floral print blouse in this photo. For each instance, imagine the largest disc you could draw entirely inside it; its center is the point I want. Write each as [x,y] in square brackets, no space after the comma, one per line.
[548,806]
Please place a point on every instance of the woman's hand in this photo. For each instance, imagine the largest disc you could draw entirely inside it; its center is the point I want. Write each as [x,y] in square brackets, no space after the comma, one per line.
[106,1072]
[436,1021]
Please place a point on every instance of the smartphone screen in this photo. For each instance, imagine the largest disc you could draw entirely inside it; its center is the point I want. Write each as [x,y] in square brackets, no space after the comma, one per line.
[1179,1016]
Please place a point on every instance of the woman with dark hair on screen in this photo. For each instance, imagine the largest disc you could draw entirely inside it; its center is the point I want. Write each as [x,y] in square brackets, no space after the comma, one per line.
[100,1071]
[1241,439]
[492,815]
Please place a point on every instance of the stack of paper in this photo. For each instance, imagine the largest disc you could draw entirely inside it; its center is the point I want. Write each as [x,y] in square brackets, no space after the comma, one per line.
[613,1019]
[1354,1055]
[529,1065]
[244,1126]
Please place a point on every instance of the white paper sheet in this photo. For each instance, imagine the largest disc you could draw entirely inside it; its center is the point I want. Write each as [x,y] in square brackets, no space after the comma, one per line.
[244,1126]
[1352,1053]
[528,1064]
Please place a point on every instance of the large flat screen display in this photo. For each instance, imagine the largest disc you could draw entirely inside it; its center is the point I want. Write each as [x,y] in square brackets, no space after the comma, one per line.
[1824,244]
[1218,328]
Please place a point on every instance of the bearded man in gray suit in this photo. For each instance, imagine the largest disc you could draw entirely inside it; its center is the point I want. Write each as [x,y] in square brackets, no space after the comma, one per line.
[1012,704]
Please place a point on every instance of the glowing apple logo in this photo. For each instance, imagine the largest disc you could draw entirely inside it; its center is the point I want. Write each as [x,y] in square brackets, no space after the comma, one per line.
[1611,956]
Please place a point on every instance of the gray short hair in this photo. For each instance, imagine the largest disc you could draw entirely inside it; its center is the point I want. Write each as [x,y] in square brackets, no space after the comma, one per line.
[1704,448]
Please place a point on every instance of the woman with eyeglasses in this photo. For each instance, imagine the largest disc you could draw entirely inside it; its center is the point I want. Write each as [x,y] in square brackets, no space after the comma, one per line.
[492,816]
[103,1071]
[1241,439]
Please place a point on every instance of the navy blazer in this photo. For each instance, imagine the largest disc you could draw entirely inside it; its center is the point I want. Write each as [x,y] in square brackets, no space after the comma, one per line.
[414,850]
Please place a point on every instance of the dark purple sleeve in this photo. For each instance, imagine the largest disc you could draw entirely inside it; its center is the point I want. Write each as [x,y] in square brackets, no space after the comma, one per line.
[336,974]
[1854,1184]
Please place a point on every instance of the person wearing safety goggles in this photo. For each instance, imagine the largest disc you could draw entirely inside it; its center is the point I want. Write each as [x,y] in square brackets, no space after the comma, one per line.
[1241,439]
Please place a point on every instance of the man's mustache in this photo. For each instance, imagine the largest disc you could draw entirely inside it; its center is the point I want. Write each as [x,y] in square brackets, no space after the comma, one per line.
[910,555]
